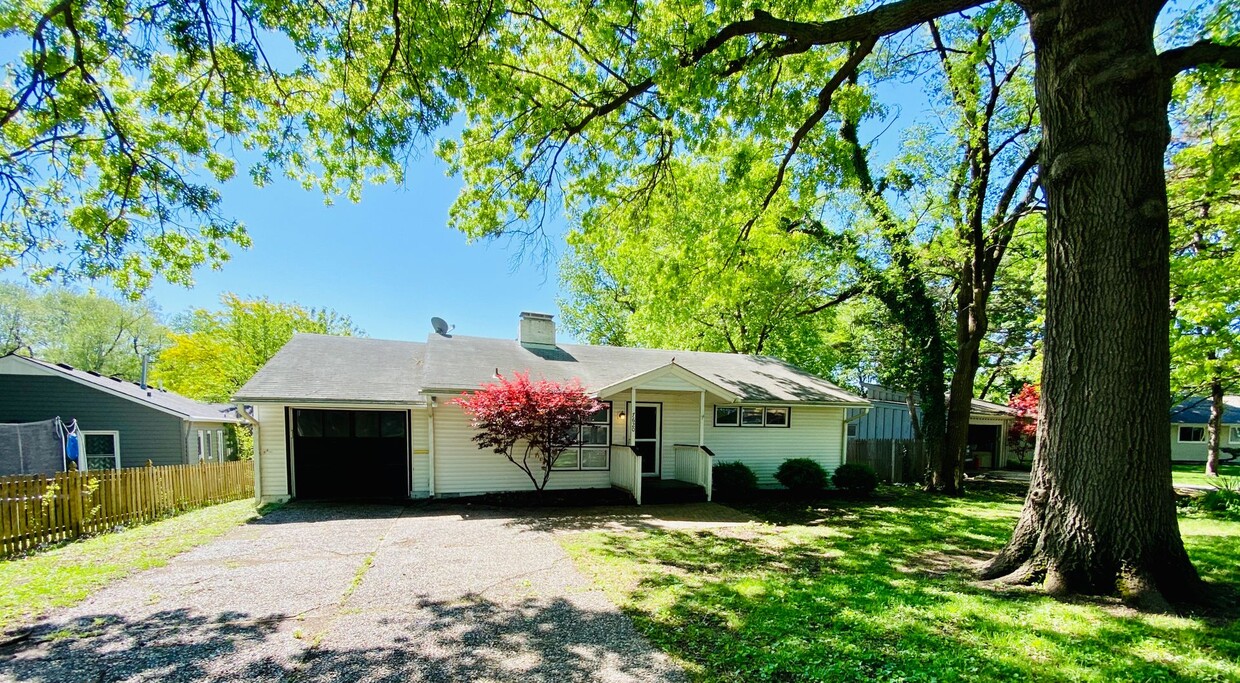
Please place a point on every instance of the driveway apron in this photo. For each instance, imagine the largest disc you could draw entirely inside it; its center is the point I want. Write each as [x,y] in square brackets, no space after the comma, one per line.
[349,593]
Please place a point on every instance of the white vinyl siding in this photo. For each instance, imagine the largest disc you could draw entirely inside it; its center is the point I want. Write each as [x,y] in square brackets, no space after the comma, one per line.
[421,452]
[461,468]
[272,453]
[815,433]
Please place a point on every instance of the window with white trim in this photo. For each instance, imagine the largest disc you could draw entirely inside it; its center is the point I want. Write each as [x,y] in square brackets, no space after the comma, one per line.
[753,416]
[101,450]
[1235,435]
[592,444]
[1192,434]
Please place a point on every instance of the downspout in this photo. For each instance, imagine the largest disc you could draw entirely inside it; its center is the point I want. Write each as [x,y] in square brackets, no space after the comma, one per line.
[257,455]
[430,445]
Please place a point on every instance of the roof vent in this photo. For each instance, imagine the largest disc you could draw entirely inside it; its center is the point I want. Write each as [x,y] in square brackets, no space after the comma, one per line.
[537,330]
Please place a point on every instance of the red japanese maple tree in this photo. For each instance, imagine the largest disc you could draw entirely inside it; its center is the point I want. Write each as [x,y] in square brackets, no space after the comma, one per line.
[528,422]
[1023,435]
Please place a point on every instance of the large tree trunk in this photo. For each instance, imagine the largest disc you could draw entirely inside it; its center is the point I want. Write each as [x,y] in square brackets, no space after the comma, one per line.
[971,325]
[1100,514]
[1215,426]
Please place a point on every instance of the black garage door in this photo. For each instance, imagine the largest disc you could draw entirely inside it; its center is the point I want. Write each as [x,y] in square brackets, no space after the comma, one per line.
[350,453]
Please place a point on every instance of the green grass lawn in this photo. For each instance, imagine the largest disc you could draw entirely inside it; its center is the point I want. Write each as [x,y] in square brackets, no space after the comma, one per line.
[32,585]
[884,591]
[1196,474]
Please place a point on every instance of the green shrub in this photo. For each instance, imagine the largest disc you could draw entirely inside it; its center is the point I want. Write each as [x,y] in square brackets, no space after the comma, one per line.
[854,478]
[733,481]
[1222,501]
[802,476]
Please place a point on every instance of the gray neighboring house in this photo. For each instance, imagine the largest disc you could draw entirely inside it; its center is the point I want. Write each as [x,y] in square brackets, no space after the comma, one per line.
[353,417]
[123,423]
[889,419]
[1188,429]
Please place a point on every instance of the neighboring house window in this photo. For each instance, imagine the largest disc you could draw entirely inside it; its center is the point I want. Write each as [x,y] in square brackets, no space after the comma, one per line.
[1192,434]
[210,445]
[102,450]
[852,430]
[593,444]
[753,416]
[1235,435]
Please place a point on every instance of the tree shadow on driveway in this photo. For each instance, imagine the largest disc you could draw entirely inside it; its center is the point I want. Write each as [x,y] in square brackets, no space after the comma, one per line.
[466,639]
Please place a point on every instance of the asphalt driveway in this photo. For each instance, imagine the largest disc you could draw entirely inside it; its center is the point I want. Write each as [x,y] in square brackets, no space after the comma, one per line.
[349,593]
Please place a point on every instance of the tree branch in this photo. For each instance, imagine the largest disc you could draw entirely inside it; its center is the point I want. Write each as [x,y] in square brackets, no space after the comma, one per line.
[1201,53]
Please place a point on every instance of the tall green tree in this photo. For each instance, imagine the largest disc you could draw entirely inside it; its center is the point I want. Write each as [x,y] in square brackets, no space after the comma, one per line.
[569,97]
[213,353]
[684,270]
[82,329]
[1205,243]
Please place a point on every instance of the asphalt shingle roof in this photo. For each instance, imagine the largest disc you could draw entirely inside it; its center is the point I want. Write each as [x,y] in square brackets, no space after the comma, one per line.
[465,363]
[319,367]
[1197,410]
[187,407]
[322,368]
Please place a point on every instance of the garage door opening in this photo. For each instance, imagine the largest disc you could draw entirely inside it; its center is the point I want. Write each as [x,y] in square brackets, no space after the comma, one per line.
[350,454]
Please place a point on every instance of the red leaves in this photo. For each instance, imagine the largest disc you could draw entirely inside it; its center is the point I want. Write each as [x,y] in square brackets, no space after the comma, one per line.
[542,415]
[1025,430]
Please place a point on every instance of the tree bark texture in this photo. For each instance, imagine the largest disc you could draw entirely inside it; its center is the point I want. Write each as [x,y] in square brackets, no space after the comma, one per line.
[1100,514]
[1215,427]
[971,326]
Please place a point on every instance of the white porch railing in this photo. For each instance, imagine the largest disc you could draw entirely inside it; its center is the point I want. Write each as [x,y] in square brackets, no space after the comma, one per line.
[626,471]
[693,464]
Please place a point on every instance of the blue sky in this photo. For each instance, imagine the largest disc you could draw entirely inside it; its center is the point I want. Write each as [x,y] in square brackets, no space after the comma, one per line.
[390,261]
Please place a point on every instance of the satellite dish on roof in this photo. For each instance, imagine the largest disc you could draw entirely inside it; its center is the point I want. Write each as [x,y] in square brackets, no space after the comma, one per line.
[441,326]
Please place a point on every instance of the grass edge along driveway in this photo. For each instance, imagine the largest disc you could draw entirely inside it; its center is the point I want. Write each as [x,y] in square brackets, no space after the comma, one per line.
[30,586]
[883,591]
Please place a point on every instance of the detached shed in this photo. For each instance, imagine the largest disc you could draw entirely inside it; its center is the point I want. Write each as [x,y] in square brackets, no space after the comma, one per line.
[123,424]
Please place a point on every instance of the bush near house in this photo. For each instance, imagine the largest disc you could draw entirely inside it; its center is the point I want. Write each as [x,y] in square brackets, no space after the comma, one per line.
[733,481]
[854,478]
[802,476]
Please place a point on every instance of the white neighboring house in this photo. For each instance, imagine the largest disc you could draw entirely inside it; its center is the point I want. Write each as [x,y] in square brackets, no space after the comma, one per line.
[1188,429]
[352,417]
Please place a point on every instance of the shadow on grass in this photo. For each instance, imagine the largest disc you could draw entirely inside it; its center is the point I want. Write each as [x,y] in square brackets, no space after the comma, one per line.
[883,590]
[467,639]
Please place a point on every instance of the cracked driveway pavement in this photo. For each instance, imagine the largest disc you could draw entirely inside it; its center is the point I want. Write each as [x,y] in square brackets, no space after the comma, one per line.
[316,593]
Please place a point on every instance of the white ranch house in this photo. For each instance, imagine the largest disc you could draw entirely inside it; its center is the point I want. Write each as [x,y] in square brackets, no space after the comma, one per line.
[346,417]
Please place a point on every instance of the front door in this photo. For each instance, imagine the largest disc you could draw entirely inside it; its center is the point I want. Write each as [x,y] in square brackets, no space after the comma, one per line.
[647,430]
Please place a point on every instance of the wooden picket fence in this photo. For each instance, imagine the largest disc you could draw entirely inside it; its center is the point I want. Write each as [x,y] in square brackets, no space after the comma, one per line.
[41,509]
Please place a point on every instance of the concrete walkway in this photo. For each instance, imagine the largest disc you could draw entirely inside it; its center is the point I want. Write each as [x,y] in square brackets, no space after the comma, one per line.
[366,593]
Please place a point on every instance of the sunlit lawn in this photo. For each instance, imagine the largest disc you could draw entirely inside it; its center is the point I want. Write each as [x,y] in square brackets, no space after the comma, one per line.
[884,592]
[1196,474]
[32,585]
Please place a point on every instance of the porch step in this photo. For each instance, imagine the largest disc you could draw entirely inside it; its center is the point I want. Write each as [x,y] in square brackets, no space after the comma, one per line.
[663,491]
